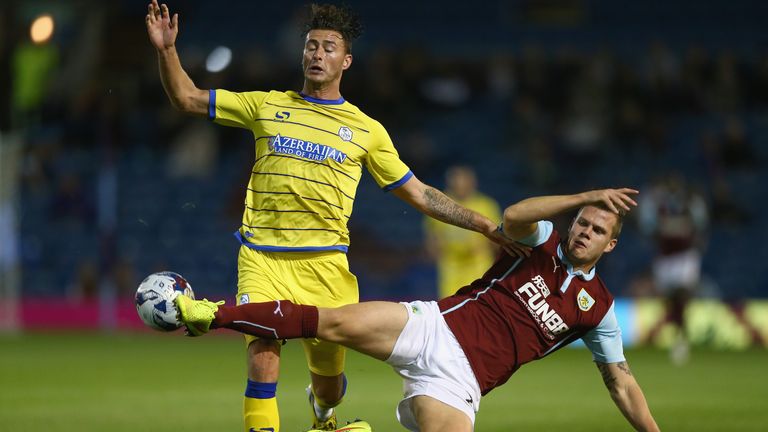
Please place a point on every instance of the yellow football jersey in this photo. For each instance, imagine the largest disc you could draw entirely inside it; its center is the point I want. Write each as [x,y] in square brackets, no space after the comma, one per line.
[309,159]
[463,254]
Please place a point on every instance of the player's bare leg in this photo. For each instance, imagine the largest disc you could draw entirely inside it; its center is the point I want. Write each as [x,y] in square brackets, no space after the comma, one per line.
[435,416]
[328,388]
[371,328]
[325,394]
[264,360]
[260,405]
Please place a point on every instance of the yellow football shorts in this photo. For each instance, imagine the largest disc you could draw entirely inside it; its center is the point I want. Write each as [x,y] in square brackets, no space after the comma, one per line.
[310,278]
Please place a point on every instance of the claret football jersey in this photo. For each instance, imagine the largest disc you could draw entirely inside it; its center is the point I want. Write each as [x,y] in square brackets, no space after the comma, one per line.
[308,162]
[523,309]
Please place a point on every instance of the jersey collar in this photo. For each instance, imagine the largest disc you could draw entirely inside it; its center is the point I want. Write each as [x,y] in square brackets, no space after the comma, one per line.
[338,101]
[569,268]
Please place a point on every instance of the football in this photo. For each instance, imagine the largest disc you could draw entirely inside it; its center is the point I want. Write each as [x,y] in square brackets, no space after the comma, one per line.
[154,299]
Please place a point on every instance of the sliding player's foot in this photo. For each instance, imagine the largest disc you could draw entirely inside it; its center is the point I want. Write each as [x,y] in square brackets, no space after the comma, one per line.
[196,315]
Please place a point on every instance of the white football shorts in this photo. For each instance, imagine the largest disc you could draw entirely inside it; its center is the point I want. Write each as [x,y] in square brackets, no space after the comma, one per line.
[432,363]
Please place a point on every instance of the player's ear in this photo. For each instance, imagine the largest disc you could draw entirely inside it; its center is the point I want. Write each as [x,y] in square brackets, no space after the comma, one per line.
[611,245]
[347,62]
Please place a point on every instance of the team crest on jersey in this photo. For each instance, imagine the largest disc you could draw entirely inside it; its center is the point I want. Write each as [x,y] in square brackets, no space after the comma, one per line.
[244,299]
[306,149]
[345,133]
[585,300]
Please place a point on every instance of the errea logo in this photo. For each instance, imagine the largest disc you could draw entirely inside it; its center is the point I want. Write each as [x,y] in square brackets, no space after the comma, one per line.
[345,133]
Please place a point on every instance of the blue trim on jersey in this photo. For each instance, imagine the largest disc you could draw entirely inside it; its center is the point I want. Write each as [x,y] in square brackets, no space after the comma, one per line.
[338,101]
[260,390]
[266,248]
[211,104]
[398,183]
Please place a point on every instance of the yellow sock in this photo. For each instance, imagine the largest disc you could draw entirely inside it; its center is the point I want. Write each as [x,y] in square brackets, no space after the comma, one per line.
[260,412]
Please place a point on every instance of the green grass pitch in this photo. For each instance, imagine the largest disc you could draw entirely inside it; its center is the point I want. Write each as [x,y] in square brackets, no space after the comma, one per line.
[165,382]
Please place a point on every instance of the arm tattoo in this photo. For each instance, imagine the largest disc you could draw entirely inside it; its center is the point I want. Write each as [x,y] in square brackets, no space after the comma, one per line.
[608,378]
[624,367]
[447,210]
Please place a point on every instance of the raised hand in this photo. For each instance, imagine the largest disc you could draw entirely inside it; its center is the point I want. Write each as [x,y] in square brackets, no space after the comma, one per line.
[617,200]
[161,28]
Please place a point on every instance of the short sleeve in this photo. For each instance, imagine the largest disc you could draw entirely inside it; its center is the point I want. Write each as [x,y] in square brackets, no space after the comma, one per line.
[384,163]
[605,340]
[543,232]
[235,109]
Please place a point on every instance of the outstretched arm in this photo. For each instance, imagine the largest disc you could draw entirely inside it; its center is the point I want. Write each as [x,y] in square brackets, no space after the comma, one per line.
[520,219]
[162,31]
[627,395]
[436,204]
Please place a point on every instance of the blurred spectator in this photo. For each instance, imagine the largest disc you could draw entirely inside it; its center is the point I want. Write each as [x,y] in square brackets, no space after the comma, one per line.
[86,283]
[9,247]
[194,151]
[696,74]
[502,80]
[34,66]
[125,278]
[446,88]
[662,75]
[725,209]
[71,203]
[419,150]
[736,151]
[725,89]
[584,124]
[676,217]
[541,162]
[461,254]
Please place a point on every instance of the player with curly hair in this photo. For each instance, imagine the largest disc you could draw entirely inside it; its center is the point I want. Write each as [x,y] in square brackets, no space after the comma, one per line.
[310,150]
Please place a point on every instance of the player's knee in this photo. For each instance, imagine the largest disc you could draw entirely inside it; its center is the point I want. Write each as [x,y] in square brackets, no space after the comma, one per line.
[264,347]
[333,325]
